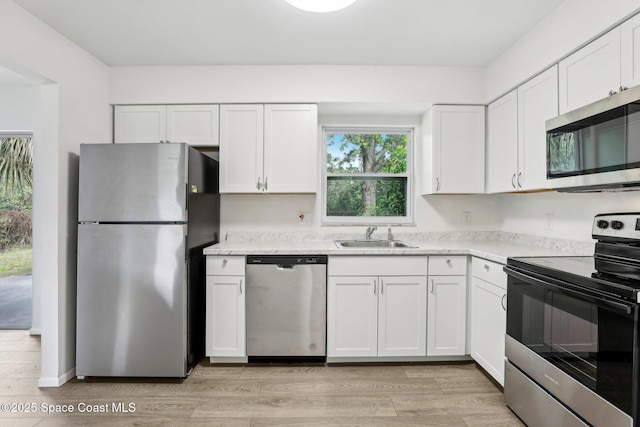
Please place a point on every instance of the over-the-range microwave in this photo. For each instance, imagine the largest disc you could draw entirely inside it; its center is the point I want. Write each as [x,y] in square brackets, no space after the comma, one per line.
[596,147]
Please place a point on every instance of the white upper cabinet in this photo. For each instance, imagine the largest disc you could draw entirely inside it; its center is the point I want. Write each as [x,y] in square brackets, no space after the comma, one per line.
[591,73]
[630,52]
[502,144]
[537,103]
[453,152]
[290,148]
[517,159]
[196,125]
[241,137]
[268,148]
[140,123]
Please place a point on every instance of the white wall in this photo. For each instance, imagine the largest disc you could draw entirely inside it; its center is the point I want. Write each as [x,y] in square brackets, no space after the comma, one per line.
[74,109]
[572,214]
[20,110]
[238,84]
[19,107]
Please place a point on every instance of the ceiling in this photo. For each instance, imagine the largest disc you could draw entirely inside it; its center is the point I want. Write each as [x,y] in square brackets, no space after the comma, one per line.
[271,32]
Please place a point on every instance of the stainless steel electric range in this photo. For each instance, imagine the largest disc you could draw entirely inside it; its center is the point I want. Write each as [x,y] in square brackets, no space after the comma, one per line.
[572,343]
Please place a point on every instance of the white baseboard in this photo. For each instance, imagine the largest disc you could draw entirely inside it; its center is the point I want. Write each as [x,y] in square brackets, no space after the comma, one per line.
[35,331]
[56,381]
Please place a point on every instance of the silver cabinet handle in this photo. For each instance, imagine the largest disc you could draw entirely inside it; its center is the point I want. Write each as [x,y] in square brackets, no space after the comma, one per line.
[612,92]
[503,302]
[437,184]
[623,88]
[259,185]
[266,183]
[240,286]
[519,179]
[433,285]
[513,181]
[486,267]
[375,285]
[381,286]
[448,261]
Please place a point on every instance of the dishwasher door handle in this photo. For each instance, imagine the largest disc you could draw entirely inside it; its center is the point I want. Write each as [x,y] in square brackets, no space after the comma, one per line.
[285,267]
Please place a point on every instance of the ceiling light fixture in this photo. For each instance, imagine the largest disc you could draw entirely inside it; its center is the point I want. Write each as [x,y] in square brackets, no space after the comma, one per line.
[320,6]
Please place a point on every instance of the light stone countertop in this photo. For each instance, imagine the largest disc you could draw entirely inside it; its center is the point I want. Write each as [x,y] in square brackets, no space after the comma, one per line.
[493,246]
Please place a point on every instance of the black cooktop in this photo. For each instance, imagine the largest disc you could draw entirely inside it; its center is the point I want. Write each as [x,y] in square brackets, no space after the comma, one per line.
[579,270]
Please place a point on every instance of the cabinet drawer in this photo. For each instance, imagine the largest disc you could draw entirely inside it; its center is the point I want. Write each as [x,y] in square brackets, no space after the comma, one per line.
[448,265]
[489,271]
[391,265]
[225,265]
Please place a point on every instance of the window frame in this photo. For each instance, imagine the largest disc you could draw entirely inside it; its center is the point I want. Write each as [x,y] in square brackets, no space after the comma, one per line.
[408,175]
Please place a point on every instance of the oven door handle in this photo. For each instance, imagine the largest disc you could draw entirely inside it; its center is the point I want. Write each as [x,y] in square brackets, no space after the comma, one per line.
[570,289]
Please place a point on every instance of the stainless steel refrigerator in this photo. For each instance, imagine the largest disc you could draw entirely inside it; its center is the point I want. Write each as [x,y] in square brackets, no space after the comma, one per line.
[145,212]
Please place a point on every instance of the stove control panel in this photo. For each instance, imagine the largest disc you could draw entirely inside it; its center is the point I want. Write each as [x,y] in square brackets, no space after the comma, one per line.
[620,226]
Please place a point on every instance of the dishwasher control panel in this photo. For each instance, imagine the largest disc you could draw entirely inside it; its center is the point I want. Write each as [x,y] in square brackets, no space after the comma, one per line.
[287,259]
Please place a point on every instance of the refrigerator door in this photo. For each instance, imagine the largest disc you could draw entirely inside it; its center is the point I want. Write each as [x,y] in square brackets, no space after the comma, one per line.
[131,300]
[133,183]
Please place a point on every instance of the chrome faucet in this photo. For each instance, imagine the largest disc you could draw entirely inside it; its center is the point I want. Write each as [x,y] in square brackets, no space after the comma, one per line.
[370,231]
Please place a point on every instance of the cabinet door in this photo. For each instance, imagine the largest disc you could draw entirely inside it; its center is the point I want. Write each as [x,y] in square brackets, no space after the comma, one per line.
[241,145]
[352,316]
[537,102]
[140,123]
[291,148]
[446,321]
[225,317]
[590,73]
[503,144]
[458,144]
[194,124]
[402,315]
[488,327]
[630,52]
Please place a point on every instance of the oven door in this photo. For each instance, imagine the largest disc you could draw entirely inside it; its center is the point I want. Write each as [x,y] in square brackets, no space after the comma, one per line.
[574,341]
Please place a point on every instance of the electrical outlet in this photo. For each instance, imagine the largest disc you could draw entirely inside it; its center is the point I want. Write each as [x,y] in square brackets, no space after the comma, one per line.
[548,223]
[304,217]
[466,217]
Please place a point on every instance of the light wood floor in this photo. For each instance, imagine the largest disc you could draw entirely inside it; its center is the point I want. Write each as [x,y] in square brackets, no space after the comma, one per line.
[284,395]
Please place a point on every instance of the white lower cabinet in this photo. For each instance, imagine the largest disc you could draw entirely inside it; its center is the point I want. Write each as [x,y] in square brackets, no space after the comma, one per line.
[225,308]
[488,316]
[352,316]
[376,315]
[447,305]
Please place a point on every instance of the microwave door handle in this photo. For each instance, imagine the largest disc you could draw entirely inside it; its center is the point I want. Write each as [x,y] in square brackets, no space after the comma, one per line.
[569,289]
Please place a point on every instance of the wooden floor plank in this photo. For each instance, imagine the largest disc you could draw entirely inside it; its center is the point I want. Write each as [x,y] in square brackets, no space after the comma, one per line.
[322,371]
[427,421]
[293,406]
[349,386]
[489,404]
[145,421]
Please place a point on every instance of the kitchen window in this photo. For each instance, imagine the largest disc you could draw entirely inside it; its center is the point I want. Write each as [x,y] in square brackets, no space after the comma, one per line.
[367,175]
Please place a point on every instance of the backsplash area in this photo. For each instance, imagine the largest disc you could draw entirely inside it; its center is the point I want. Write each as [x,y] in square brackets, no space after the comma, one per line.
[564,245]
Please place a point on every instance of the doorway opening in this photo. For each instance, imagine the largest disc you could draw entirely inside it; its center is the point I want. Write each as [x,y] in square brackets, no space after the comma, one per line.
[16,208]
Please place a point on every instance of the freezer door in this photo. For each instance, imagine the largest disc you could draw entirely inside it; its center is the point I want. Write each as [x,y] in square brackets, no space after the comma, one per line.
[133,183]
[131,301]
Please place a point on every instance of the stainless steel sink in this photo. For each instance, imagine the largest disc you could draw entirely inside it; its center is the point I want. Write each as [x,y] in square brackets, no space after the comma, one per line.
[359,244]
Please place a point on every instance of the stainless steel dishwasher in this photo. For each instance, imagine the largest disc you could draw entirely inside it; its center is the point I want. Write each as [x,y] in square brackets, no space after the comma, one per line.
[286,306]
